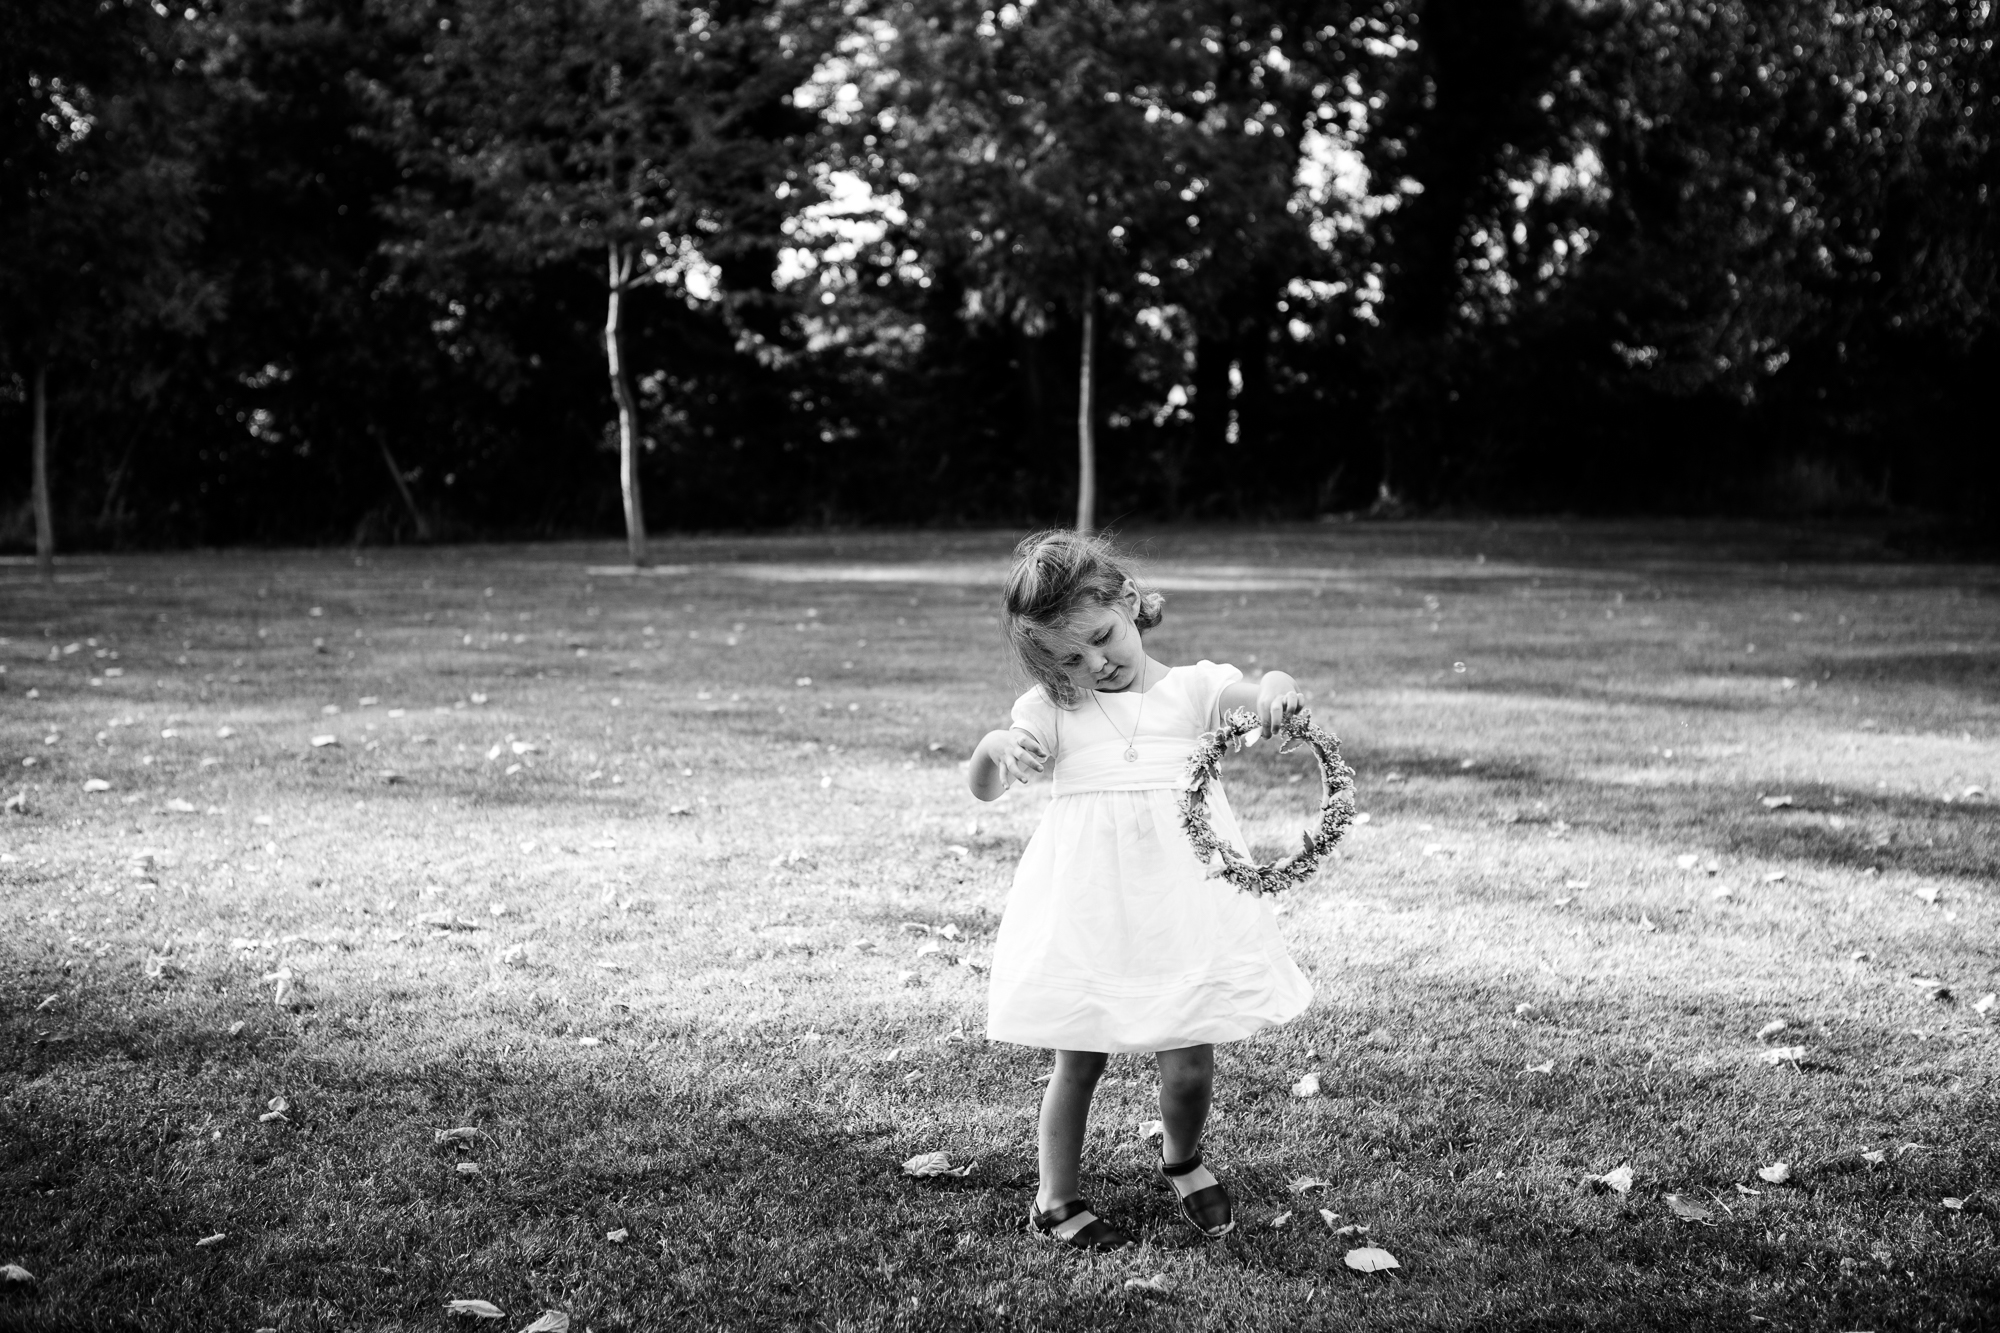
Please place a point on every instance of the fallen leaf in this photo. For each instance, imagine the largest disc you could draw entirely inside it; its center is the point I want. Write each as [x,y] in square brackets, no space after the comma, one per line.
[1745,1189]
[463,1134]
[1523,1010]
[1151,1129]
[1927,892]
[1778,1055]
[1307,1184]
[552,1321]
[1687,861]
[1875,1157]
[1352,1229]
[935,1164]
[475,1309]
[269,1116]
[618,1236]
[590,1041]
[1984,1004]
[1619,1179]
[321,742]
[1646,923]
[96,784]
[1956,1205]
[469,1169]
[1307,1086]
[1907,1149]
[1774,876]
[236,1028]
[1687,1210]
[1545,1067]
[1328,1216]
[1777,1173]
[1370,1260]
[1159,1284]
[1776,802]
[181,807]
[15,1273]
[1282,1218]
[1771,1029]
[216,1239]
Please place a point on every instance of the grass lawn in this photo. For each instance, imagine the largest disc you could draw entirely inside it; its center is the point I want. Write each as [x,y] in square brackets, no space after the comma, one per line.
[669,889]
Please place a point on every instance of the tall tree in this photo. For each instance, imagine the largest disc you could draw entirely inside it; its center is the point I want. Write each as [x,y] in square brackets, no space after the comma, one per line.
[638,134]
[97,199]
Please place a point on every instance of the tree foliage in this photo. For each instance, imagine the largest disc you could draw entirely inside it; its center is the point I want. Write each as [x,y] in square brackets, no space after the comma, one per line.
[345,268]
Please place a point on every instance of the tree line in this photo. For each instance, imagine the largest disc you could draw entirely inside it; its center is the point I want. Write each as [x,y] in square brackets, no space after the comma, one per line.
[279,270]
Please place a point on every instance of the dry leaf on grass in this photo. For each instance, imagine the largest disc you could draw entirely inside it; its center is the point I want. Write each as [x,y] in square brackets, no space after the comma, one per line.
[1774,877]
[469,1169]
[1307,1184]
[1927,892]
[96,784]
[1687,1210]
[1367,1259]
[215,1239]
[1328,1216]
[1619,1179]
[475,1309]
[1778,1055]
[1151,1129]
[618,1236]
[1307,1086]
[1545,1067]
[1352,1229]
[1159,1284]
[321,742]
[1282,1218]
[552,1321]
[1777,1173]
[1771,1029]
[1775,802]
[463,1134]
[15,1273]
[1875,1157]
[935,1164]
[1956,1205]
[590,1041]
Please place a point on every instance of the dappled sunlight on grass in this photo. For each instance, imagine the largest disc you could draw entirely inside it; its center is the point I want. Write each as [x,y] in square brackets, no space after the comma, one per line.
[698,948]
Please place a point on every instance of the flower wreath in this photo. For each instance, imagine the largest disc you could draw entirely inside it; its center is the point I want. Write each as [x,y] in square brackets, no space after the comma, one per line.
[1336,805]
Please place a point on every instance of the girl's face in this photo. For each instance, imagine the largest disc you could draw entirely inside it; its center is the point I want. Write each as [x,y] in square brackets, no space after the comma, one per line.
[1108,654]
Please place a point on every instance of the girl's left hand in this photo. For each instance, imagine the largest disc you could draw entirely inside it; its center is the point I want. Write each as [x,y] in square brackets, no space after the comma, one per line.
[1275,706]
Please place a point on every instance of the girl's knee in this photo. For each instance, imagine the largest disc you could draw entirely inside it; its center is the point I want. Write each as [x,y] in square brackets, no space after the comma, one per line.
[1081,1064]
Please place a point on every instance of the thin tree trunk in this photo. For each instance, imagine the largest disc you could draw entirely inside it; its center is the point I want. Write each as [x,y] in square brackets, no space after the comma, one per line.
[45,518]
[1086,433]
[403,489]
[628,412]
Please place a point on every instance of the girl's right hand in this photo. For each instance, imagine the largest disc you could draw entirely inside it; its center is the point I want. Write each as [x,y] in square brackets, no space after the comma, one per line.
[1019,755]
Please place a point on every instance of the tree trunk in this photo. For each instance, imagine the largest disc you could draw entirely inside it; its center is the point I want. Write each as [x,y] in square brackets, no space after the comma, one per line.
[45,518]
[403,489]
[628,412]
[1086,433]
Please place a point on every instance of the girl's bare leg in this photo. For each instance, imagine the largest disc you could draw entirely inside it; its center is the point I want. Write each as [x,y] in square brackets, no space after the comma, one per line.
[1065,1108]
[1187,1081]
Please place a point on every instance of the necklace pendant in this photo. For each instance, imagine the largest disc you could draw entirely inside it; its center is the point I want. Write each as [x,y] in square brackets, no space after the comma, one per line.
[1131,754]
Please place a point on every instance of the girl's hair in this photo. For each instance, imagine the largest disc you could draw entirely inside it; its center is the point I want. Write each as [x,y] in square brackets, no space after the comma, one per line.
[1055,575]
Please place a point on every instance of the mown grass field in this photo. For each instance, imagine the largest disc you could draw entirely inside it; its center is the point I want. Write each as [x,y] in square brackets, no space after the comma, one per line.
[594,871]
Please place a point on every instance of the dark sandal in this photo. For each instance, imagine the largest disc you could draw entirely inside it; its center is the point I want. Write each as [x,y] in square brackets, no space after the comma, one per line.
[1207,1208]
[1074,1225]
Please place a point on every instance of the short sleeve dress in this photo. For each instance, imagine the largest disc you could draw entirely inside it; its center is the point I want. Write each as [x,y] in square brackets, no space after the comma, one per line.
[1114,937]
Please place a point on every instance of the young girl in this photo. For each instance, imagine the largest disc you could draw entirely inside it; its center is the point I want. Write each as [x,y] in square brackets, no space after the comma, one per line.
[1114,937]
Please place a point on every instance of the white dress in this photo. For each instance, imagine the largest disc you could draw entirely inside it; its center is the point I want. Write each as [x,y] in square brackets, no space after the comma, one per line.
[1114,937]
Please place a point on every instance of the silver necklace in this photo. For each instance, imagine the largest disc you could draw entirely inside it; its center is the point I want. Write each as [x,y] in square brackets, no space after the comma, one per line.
[1132,741]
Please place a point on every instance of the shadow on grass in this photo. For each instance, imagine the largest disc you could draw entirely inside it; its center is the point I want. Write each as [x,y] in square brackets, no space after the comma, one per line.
[752,1196]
